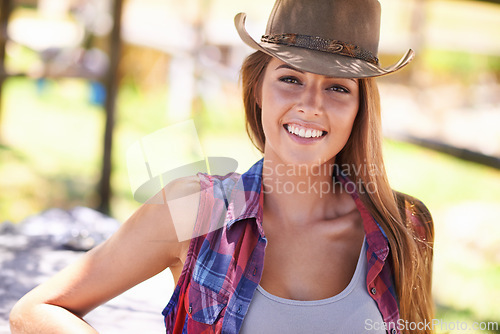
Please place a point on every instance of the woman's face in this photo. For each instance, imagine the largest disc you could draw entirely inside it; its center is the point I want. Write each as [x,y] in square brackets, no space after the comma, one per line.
[307,118]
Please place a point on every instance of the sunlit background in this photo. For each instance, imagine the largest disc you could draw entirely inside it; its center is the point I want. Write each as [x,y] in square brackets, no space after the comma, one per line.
[174,60]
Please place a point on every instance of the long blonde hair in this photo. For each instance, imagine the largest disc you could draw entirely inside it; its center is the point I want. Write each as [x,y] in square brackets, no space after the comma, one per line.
[405,220]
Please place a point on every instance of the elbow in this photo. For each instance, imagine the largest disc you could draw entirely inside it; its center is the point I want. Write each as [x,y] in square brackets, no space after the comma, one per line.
[16,316]
[22,314]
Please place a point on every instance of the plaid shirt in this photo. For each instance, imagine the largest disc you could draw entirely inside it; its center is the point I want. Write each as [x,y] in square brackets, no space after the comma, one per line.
[225,261]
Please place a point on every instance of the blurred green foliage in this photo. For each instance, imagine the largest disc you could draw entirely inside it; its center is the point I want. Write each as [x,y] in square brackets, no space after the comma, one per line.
[462,66]
[437,179]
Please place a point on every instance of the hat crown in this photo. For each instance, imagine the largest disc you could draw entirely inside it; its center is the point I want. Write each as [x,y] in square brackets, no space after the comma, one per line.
[350,21]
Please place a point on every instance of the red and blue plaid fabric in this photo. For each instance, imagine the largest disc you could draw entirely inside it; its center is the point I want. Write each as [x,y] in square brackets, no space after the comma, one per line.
[224,266]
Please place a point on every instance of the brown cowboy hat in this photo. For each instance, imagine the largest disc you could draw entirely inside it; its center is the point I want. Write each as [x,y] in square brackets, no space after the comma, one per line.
[337,38]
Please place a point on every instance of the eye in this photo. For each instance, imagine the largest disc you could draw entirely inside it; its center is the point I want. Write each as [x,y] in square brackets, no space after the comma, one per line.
[290,80]
[339,89]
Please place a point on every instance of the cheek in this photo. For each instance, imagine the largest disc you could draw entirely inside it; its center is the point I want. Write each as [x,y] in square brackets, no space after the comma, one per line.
[275,97]
[350,123]
[345,116]
[352,117]
[352,110]
[272,108]
[269,123]
[268,100]
[342,125]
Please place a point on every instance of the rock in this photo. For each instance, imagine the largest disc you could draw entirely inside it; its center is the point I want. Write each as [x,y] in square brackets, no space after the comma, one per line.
[79,229]
[8,228]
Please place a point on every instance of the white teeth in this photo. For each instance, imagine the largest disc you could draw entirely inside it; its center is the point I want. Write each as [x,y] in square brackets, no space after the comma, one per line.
[304,133]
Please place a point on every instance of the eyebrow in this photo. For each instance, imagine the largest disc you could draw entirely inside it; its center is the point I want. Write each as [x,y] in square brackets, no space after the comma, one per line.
[297,70]
[288,67]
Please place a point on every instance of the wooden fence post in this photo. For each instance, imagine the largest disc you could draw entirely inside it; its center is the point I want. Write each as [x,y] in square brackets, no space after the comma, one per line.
[111,84]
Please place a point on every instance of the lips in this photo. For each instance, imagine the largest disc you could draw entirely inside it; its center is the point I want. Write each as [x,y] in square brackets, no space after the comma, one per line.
[302,131]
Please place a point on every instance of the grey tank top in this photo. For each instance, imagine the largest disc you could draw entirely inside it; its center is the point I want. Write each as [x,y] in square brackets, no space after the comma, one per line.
[350,311]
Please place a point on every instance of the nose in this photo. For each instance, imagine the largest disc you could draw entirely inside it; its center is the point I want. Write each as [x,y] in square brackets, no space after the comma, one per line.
[311,101]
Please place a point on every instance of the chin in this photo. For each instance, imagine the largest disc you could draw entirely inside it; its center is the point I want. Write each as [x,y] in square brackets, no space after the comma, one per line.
[306,159]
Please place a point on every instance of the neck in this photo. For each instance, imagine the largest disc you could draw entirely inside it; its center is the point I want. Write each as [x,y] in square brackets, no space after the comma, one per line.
[297,193]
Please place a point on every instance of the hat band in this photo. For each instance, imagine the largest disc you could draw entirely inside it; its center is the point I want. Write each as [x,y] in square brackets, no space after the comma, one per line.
[321,44]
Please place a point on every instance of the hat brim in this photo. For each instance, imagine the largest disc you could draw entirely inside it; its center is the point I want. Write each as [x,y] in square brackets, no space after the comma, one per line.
[319,62]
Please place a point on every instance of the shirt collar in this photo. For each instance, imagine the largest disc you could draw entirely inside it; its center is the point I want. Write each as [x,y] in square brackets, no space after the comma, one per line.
[375,236]
[247,197]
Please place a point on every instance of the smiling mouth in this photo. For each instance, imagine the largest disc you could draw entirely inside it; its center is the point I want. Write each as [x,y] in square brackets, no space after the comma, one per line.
[304,132]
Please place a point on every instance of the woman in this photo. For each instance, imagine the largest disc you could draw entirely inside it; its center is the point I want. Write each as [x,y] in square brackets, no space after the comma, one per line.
[311,238]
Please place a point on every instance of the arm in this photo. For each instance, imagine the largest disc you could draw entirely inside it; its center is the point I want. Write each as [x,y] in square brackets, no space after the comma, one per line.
[144,245]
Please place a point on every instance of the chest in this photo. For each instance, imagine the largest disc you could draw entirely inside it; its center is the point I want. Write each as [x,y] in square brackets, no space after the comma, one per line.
[311,263]
[346,312]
